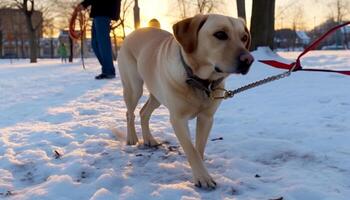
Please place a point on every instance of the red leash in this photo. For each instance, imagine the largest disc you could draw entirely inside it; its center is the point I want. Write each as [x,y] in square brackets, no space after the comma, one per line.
[78,35]
[295,66]
[77,14]
[312,46]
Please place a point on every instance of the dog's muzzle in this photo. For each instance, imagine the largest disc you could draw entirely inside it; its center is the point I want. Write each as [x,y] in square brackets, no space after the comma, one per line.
[244,61]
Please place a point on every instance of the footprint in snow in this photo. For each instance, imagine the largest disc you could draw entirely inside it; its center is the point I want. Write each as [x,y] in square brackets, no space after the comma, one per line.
[345,104]
[58,118]
[324,100]
[88,112]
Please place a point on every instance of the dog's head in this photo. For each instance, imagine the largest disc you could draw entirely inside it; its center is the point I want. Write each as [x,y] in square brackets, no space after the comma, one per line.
[215,45]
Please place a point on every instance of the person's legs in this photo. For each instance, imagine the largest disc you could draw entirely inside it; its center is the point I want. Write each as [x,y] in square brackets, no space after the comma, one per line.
[94,42]
[103,44]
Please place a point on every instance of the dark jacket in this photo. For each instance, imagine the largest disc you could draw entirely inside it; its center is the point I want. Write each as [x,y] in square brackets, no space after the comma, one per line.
[105,8]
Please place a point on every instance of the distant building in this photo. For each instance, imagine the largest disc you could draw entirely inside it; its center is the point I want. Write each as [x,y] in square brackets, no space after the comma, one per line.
[14,37]
[48,47]
[302,38]
[345,29]
[288,39]
[346,35]
[63,36]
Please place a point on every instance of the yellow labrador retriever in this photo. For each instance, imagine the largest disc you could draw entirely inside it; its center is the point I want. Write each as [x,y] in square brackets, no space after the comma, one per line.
[182,72]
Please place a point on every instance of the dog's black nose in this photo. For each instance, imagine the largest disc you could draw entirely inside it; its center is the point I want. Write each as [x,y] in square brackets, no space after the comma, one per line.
[245,60]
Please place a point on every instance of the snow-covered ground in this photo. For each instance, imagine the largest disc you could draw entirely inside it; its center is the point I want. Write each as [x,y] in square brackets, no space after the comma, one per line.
[62,137]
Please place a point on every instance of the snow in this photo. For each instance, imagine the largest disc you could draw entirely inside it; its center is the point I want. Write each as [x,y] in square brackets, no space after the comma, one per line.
[62,137]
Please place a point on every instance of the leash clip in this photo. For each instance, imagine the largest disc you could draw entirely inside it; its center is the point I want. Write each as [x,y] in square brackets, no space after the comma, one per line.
[227,94]
[294,67]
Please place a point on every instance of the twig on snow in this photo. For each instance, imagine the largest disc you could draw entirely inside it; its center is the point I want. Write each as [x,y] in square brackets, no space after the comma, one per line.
[279,198]
[57,155]
[219,138]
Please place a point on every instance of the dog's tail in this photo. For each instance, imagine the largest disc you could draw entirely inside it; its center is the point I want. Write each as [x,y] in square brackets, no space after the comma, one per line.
[119,135]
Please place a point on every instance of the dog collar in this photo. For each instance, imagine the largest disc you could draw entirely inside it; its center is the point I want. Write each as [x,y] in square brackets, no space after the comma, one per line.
[206,85]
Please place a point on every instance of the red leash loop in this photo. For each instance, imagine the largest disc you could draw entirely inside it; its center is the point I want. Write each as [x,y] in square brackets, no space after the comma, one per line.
[78,35]
[312,46]
[77,14]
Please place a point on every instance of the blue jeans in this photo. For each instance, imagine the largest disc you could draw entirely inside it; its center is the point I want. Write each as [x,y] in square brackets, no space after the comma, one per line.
[101,44]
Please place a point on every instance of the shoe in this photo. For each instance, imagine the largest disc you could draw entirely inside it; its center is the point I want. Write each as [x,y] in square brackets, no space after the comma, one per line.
[104,76]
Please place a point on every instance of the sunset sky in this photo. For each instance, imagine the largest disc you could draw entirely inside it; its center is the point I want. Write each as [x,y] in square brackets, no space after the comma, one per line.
[312,11]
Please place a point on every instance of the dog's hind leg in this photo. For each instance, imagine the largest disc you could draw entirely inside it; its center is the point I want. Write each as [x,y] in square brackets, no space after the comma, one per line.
[145,114]
[132,90]
[131,99]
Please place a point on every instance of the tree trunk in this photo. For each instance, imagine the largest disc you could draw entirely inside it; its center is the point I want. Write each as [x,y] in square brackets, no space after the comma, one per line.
[136,15]
[262,25]
[70,50]
[52,50]
[23,55]
[33,47]
[0,44]
[115,41]
[16,46]
[241,9]
[123,29]
[32,38]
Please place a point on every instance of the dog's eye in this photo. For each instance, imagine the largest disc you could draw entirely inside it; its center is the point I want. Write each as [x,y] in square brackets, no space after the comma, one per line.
[244,38]
[221,35]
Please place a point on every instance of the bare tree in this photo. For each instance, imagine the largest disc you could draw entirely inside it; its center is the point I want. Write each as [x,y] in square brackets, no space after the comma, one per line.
[120,25]
[297,23]
[183,7]
[189,8]
[339,11]
[262,23]
[205,6]
[340,7]
[1,39]
[63,10]
[125,9]
[241,9]
[29,10]
[286,13]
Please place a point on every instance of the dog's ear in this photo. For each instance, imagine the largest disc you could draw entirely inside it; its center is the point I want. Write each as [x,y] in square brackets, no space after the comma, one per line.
[186,32]
[249,41]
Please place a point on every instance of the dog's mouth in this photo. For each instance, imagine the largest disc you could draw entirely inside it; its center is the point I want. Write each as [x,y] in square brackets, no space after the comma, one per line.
[243,71]
[218,70]
[238,70]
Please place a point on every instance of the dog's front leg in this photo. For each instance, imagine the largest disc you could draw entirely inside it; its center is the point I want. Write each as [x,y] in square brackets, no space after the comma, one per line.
[200,173]
[204,124]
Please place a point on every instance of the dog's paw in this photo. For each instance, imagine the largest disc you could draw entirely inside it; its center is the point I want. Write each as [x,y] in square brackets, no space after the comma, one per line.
[205,182]
[131,140]
[151,143]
